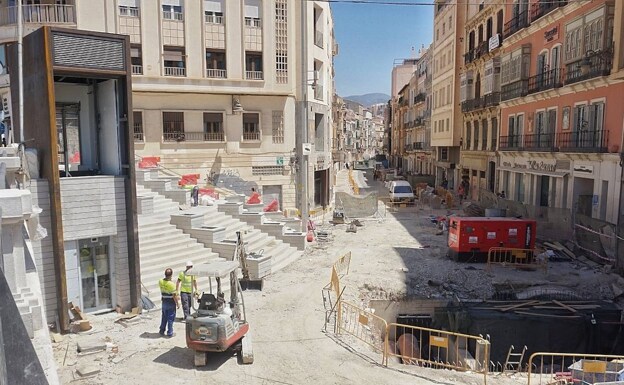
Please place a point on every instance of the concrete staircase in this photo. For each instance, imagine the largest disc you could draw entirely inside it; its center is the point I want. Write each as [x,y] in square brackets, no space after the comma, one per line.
[171,232]
[161,244]
[216,228]
[30,310]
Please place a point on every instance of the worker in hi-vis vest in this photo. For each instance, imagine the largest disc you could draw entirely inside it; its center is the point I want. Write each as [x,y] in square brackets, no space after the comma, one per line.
[169,303]
[184,286]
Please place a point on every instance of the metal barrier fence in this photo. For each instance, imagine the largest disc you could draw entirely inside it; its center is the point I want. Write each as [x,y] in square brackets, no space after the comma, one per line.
[507,256]
[437,348]
[570,368]
[363,325]
[342,265]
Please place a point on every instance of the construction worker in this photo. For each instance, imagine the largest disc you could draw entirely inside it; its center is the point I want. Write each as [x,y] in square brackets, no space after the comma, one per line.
[184,286]
[170,303]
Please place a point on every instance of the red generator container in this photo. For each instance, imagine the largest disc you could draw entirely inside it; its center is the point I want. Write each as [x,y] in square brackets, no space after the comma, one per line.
[470,238]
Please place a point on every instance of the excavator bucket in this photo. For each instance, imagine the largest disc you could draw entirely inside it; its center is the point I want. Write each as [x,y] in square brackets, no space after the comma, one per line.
[251,284]
[246,283]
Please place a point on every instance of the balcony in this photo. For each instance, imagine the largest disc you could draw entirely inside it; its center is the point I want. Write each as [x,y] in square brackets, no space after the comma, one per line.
[168,15]
[253,22]
[251,136]
[213,19]
[137,69]
[216,73]
[481,50]
[473,104]
[318,92]
[542,8]
[420,97]
[595,64]
[512,142]
[40,14]
[514,90]
[204,136]
[318,39]
[174,136]
[409,147]
[175,71]
[540,142]
[139,136]
[584,140]
[516,24]
[419,145]
[491,100]
[254,75]
[545,81]
[469,56]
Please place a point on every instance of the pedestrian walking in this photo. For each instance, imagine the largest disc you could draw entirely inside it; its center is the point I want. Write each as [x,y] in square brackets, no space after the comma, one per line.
[169,303]
[184,286]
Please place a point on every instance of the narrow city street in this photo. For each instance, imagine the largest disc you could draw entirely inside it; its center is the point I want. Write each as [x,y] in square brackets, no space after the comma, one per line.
[392,258]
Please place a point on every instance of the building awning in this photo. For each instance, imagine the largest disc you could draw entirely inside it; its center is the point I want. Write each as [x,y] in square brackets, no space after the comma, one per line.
[557,174]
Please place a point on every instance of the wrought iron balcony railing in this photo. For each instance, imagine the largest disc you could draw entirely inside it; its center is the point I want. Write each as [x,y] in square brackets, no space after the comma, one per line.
[545,81]
[516,24]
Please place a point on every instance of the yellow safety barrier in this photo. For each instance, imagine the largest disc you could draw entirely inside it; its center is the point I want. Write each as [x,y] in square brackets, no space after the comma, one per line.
[364,326]
[343,264]
[354,186]
[438,349]
[506,256]
[570,368]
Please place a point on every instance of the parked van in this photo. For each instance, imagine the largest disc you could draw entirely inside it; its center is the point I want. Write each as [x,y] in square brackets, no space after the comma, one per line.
[401,190]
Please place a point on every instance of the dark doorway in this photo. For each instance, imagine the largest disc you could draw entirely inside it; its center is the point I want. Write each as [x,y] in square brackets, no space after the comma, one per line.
[492,179]
[544,188]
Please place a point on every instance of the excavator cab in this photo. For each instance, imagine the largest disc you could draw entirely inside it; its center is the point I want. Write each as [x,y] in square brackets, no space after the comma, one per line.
[218,325]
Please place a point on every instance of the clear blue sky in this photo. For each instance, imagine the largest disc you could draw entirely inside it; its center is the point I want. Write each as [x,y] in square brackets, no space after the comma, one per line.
[371,37]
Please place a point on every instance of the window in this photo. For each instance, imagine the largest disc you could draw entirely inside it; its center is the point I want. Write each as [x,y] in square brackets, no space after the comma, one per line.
[448,94]
[281,41]
[596,116]
[484,134]
[437,34]
[443,28]
[467,143]
[215,64]
[172,10]
[475,146]
[253,65]
[174,61]
[447,124]
[137,117]
[278,127]
[136,60]
[129,8]
[251,126]
[213,11]
[68,134]
[213,127]
[252,13]
[580,117]
[173,126]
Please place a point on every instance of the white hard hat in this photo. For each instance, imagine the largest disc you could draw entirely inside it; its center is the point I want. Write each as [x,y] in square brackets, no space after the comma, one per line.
[189,263]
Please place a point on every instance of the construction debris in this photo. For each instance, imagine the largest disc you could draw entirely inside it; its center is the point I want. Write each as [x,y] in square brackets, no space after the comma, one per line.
[90,345]
[473,210]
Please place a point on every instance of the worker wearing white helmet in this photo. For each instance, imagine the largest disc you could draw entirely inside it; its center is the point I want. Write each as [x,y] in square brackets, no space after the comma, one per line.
[184,286]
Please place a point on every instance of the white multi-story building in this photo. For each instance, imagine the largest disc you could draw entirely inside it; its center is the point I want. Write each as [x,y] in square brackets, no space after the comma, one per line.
[216,84]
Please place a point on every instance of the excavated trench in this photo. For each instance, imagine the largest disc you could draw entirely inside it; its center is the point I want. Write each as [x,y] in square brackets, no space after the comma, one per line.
[544,319]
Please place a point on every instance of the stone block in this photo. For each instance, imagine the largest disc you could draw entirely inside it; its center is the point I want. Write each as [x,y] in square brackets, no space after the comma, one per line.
[87,370]
[90,345]
[187,221]
[145,205]
[254,207]
[15,203]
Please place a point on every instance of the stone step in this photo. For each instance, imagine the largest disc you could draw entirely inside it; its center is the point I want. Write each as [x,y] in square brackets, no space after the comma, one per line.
[161,236]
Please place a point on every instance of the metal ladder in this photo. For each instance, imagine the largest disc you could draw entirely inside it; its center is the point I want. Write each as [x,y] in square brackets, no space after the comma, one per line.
[514,359]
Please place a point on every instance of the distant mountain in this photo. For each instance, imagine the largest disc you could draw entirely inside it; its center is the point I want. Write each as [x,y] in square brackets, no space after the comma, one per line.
[369,99]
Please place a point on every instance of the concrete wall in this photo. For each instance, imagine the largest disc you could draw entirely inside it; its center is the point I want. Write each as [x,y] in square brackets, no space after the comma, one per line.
[44,255]
[95,207]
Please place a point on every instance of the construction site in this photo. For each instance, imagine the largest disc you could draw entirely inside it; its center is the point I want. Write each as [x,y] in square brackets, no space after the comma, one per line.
[377,299]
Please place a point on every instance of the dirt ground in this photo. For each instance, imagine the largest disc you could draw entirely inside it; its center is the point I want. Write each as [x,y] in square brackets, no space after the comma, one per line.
[391,258]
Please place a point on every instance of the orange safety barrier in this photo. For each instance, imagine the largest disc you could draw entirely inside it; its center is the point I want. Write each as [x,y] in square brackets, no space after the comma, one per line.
[572,368]
[210,192]
[149,162]
[188,179]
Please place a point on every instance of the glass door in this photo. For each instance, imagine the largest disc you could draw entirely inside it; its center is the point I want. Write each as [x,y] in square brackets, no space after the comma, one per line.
[95,274]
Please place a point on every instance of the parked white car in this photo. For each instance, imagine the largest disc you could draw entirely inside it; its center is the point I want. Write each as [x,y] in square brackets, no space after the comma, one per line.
[401,190]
